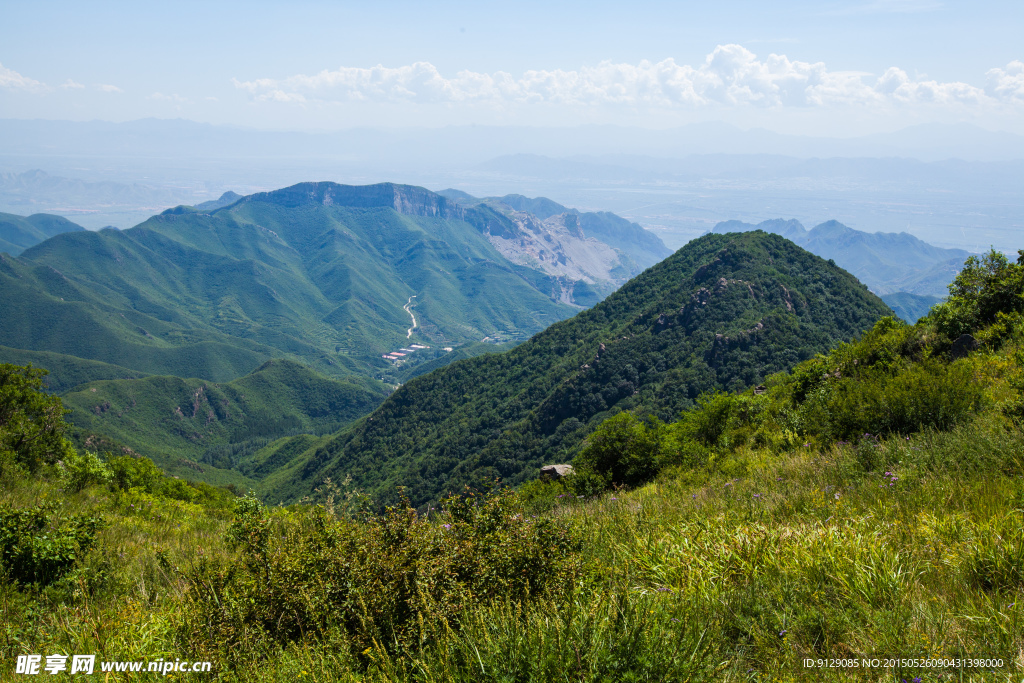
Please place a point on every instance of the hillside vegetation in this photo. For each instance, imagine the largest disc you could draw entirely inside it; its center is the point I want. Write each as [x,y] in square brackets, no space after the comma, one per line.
[18,233]
[723,313]
[888,263]
[318,273]
[193,428]
[866,503]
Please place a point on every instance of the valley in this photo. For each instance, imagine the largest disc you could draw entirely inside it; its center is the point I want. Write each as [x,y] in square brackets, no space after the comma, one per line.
[302,288]
[323,280]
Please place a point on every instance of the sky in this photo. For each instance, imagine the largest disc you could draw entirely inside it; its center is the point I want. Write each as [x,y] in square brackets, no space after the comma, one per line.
[829,67]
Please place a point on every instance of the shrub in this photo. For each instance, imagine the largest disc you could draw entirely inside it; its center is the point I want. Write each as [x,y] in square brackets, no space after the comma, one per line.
[79,470]
[371,583]
[624,449]
[984,288]
[929,394]
[39,546]
[128,472]
[31,422]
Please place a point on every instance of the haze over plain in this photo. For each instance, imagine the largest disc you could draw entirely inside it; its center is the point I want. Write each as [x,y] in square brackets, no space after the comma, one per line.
[623,111]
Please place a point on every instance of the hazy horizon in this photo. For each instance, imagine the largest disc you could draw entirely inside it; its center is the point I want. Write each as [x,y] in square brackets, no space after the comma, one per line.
[834,68]
[676,116]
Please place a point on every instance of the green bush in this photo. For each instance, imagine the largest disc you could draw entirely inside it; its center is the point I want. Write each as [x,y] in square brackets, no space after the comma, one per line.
[930,394]
[31,422]
[986,287]
[370,583]
[699,433]
[129,472]
[39,546]
[79,470]
[624,449]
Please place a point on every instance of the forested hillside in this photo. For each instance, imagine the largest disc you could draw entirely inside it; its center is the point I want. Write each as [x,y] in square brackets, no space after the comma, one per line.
[18,233]
[888,263]
[318,273]
[721,313]
[208,431]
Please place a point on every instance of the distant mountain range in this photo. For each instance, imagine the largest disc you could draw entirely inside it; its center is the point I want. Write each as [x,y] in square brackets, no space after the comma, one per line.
[888,263]
[723,312]
[316,272]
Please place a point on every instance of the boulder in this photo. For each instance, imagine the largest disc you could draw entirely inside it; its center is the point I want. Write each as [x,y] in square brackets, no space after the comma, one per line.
[555,471]
[963,345]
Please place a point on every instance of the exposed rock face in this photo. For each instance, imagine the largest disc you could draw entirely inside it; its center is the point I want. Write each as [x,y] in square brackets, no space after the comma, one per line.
[555,471]
[559,247]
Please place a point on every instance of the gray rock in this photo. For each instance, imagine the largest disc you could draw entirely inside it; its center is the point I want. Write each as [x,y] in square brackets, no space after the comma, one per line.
[963,345]
[555,471]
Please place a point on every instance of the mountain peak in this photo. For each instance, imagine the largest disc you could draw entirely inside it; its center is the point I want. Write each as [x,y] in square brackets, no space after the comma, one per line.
[405,199]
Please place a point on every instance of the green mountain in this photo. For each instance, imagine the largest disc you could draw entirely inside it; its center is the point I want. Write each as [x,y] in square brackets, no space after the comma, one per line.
[721,313]
[324,274]
[66,372]
[884,261]
[189,426]
[18,233]
[226,199]
[910,307]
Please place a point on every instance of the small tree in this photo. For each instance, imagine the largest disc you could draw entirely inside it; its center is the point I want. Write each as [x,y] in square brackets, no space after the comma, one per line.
[623,450]
[986,287]
[32,423]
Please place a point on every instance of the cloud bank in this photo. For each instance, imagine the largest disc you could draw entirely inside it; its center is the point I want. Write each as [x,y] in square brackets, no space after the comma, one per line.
[730,75]
[9,78]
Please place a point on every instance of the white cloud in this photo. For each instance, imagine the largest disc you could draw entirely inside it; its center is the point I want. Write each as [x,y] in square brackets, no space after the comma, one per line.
[897,85]
[104,87]
[71,85]
[1006,84]
[730,75]
[9,78]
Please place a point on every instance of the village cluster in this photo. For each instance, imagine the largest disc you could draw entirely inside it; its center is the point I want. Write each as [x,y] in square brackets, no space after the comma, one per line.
[401,353]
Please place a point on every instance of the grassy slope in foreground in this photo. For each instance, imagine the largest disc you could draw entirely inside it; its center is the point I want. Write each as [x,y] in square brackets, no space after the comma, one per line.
[736,570]
[721,313]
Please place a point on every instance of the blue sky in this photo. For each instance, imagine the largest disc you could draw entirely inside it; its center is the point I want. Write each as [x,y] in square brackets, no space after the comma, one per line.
[832,68]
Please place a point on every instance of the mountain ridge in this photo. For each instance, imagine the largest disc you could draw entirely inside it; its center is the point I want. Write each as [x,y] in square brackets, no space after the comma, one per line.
[18,233]
[887,263]
[721,313]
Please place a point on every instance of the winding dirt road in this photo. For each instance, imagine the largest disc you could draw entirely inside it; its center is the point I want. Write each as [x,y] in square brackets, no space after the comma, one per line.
[407,310]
